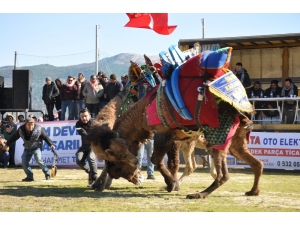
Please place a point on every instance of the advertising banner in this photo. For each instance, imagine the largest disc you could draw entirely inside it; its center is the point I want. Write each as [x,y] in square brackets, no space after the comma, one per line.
[275,150]
[65,139]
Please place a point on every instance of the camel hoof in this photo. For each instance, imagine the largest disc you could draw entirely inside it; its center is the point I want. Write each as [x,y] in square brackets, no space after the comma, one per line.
[196,196]
[171,187]
[98,186]
[252,193]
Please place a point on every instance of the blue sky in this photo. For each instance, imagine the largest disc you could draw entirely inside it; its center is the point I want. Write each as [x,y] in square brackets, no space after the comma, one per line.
[66,35]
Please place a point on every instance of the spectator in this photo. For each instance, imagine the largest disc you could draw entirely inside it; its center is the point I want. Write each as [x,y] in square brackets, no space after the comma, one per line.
[33,136]
[150,166]
[58,82]
[50,91]
[124,79]
[257,92]
[113,88]
[92,91]
[8,133]
[4,153]
[10,120]
[40,119]
[30,115]
[276,92]
[85,151]
[21,119]
[68,95]
[100,77]
[103,99]
[80,103]
[289,89]
[242,75]
[35,119]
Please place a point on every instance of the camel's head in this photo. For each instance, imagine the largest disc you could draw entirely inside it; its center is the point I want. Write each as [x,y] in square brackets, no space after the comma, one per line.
[126,171]
[122,160]
[119,155]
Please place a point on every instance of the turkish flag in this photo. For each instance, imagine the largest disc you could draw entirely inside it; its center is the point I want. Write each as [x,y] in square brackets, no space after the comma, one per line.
[153,21]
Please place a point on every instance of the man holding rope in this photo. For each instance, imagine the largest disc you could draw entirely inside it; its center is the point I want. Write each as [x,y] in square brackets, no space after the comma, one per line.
[33,136]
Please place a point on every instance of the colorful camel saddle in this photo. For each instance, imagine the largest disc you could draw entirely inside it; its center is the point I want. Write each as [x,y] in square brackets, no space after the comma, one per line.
[177,102]
[183,84]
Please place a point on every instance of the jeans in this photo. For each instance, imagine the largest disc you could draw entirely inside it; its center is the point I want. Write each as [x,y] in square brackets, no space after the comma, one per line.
[4,159]
[149,149]
[80,105]
[26,157]
[84,153]
[70,105]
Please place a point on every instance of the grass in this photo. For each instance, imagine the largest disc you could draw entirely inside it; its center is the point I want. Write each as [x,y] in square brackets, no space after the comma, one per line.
[67,192]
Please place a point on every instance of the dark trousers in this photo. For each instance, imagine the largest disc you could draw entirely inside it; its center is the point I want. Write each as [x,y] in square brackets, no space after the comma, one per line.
[93,108]
[12,155]
[86,153]
[50,107]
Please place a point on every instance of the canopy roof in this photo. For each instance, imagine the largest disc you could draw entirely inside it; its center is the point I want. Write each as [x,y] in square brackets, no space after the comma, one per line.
[248,42]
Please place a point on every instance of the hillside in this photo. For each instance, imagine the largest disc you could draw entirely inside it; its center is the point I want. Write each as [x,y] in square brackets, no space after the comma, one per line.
[117,64]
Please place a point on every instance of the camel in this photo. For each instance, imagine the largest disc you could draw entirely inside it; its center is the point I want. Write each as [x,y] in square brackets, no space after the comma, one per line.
[113,111]
[134,128]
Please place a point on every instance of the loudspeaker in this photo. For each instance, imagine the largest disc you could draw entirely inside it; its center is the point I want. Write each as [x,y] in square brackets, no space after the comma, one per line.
[7,98]
[1,81]
[22,87]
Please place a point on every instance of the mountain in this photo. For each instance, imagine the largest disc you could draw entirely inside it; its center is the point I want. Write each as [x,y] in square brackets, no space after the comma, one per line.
[117,64]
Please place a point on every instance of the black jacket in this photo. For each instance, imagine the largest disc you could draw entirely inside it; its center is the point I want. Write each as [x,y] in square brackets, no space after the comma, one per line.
[49,93]
[81,97]
[112,89]
[247,81]
[83,129]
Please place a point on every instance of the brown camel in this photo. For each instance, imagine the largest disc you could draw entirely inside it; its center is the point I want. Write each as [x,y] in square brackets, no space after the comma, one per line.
[133,128]
[108,116]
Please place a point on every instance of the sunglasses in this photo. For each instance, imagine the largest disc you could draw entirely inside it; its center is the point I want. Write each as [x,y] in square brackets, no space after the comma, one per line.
[70,80]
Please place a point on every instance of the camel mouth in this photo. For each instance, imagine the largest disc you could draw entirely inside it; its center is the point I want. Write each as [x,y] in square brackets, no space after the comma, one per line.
[137,178]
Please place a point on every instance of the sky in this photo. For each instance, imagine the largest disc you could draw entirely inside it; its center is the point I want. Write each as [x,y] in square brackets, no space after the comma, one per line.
[63,34]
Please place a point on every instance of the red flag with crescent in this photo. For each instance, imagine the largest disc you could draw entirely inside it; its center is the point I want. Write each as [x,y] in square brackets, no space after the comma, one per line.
[157,22]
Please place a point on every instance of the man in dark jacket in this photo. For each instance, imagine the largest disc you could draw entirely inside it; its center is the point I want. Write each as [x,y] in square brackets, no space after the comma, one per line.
[113,87]
[103,99]
[85,151]
[33,136]
[242,75]
[50,91]
[257,92]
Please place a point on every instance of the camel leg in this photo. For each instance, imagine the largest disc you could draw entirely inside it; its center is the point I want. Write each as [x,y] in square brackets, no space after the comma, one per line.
[108,182]
[173,163]
[220,163]
[240,151]
[163,143]
[189,158]
[99,184]
[212,171]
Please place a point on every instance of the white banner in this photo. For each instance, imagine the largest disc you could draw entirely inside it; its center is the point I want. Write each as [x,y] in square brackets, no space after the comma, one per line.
[275,150]
[66,140]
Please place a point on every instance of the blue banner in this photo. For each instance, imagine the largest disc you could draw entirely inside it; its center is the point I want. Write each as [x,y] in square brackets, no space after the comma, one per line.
[230,89]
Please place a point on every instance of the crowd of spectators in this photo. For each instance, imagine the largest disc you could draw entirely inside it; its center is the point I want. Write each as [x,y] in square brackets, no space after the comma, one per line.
[268,109]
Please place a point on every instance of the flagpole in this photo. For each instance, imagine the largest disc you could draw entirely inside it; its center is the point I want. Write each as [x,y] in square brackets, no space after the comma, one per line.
[202,28]
[96,69]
